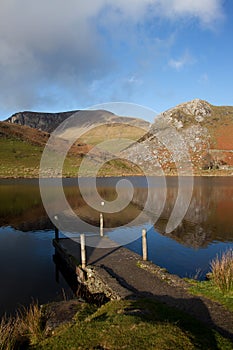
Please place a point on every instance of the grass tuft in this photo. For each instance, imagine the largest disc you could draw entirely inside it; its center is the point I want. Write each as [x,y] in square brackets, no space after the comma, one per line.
[32,323]
[7,333]
[222,271]
[27,328]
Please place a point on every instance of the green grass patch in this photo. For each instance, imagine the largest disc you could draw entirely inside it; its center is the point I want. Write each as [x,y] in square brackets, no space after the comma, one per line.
[211,291]
[106,132]
[19,158]
[219,287]
[141,324]
[22,159]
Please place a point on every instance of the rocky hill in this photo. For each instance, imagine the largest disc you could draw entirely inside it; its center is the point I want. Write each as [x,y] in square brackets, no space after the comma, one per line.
[38,120]
[50,121]
[195,128]
[193,137]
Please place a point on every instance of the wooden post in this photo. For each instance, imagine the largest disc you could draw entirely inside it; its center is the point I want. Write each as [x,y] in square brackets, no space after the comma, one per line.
[101,225]
[144,245]
[56,234]
[83,250]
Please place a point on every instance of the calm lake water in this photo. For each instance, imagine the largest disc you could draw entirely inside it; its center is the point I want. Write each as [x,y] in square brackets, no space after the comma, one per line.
[27,269]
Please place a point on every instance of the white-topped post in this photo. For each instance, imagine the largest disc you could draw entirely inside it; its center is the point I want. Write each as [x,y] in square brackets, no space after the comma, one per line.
[144,245]
[101,223]
[83,250]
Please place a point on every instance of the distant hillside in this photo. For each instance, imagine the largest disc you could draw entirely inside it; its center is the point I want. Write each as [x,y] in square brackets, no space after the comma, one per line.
[207,131]
[50,121]
[25,130]
[38,120]
[21,148]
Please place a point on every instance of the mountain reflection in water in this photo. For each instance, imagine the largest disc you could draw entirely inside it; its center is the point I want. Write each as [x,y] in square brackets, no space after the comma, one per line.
[208,223]
[208,219]
[27,268]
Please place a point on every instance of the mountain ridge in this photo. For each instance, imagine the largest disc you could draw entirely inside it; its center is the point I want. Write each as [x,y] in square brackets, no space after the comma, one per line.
[50,121]
[205,129]
[39,120]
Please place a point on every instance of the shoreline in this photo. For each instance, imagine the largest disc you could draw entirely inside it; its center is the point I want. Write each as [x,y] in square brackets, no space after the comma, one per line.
[216,174]
[163,287]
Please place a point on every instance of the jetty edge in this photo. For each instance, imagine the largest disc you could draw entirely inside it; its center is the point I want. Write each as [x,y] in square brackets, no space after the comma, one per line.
[117,273]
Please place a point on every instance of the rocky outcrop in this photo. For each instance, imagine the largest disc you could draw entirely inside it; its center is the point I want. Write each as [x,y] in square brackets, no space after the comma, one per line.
[198,109]
[41,121]
[192,136]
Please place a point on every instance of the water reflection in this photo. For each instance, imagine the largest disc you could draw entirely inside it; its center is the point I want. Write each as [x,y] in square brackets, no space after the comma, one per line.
[27,269]
[208,219]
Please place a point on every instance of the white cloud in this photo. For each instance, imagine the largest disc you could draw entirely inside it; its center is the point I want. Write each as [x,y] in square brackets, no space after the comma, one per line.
[183,61]
[133,80]
[49,45]
[206,11]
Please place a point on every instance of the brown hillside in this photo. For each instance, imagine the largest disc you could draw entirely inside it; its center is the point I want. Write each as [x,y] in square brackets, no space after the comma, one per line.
[23,133]
[36,137]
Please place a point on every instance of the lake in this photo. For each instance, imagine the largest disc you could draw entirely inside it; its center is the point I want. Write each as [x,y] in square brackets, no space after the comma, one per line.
[27,269]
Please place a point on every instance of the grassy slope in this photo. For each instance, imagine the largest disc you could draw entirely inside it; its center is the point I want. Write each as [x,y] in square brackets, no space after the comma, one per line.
[142,324]
[19,158]
[21,148]
[111,131]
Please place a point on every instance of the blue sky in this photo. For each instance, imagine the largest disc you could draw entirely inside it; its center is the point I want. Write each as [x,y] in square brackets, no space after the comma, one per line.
[57,55]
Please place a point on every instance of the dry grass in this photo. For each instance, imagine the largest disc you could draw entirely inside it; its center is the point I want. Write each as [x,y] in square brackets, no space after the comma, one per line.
[32,322]
[7,334]
[222,271]
[28,327]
